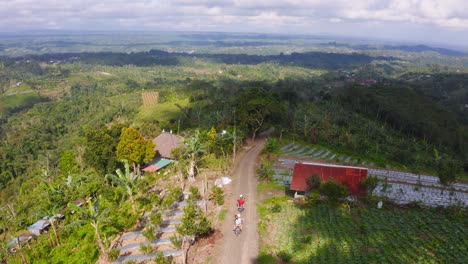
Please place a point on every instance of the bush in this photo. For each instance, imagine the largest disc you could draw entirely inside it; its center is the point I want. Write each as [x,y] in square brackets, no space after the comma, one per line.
[264,258]
[447,171]
[194,194]
[271,146]
[114,254]
[265,171]
[314,181]
[161,259]
[147,248]
[176,241]
[217,195]
[370,183]
[284,256]
[194,222]
[333,190]
[276,208]
[155,218]
[149,232]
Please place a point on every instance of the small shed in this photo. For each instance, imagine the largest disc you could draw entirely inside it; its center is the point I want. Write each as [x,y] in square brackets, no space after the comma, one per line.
[157,164]
[165,142]
[346,175]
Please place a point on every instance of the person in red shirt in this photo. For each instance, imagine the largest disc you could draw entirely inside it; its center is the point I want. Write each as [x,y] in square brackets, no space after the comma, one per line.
[240,202]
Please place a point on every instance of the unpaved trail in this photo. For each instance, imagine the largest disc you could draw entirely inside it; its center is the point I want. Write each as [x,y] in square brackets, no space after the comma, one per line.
[242,249]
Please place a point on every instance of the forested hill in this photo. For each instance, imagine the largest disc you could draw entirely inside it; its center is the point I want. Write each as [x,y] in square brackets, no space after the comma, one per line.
[407,48]
[321,60]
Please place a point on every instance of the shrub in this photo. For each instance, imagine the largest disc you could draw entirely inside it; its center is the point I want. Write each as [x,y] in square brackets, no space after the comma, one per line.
[265,171]
[194,194]
[176,241]
[271,146]
[314,181]
[333,190]
[146,248]
[217,195]
[155,218]
[194,222]
[370,183]
[161,259]
[149,232]
[284,256]
[276,208]
[114,254]
[264,258]
[447,171]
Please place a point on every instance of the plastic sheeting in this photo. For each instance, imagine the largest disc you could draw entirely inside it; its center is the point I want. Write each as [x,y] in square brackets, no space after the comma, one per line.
[222,181]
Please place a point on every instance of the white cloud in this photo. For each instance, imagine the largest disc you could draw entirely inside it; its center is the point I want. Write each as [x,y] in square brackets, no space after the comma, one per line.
[288,16]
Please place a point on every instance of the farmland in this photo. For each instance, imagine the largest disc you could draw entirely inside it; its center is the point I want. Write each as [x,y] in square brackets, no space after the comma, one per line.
[149,98]
[323,233]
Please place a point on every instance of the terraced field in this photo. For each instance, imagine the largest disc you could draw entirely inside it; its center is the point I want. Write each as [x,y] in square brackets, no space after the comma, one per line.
[130,243]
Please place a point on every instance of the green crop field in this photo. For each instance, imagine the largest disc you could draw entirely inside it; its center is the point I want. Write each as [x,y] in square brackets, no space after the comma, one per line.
[328,234]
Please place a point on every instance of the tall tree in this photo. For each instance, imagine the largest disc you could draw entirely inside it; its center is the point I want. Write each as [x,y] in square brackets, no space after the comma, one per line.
[95,217]
[134,148]
[100,151]
[256,107]
[193,150]
[128,180]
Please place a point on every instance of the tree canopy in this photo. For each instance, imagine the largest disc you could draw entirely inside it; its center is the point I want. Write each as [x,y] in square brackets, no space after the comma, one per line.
[133,147]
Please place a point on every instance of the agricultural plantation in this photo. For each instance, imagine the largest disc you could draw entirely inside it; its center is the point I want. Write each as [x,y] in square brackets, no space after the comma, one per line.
[323,233]
[421,220]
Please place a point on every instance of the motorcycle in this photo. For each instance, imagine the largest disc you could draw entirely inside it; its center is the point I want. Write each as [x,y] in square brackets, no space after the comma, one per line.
[240,206]
[237,230]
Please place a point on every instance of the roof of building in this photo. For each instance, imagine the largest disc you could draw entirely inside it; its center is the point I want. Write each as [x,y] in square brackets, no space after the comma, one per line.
[348,175]
[165,142]
[20,239]
[157,164]
[39,225]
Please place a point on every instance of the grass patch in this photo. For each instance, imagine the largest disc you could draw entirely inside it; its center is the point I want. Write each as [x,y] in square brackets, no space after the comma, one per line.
[164,111]
[222,215]
[268,185]
[17,102]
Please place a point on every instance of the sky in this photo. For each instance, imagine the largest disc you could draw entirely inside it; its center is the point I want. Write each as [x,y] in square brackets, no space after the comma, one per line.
[422,21]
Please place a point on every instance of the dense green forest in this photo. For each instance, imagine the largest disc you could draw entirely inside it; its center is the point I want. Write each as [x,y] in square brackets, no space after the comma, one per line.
[62,116]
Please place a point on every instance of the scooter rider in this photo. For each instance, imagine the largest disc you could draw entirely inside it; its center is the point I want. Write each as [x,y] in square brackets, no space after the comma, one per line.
[237,222]
[241,201]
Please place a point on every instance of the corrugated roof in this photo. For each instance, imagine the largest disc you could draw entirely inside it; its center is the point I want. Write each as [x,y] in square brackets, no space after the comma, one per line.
[347,175]
[39,225]
[157,165]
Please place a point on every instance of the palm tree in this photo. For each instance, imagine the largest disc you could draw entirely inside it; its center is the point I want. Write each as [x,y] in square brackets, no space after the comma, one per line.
[95,217]
[128,180]
[193,150]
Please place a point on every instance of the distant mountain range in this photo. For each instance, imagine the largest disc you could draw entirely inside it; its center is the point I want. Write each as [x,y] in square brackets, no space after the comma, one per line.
[408,48]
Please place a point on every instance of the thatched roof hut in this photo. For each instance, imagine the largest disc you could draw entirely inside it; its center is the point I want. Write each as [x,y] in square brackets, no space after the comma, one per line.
[165,143]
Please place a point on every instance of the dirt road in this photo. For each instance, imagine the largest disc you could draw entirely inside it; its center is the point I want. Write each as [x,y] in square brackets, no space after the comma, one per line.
[242,249]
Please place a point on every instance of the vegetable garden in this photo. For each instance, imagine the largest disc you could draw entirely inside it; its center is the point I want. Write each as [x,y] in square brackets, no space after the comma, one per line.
[323,233]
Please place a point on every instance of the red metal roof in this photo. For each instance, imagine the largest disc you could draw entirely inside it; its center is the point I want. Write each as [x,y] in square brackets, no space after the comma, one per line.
[347,175]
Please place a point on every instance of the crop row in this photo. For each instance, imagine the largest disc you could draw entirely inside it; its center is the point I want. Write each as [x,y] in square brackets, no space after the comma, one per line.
[326,234]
